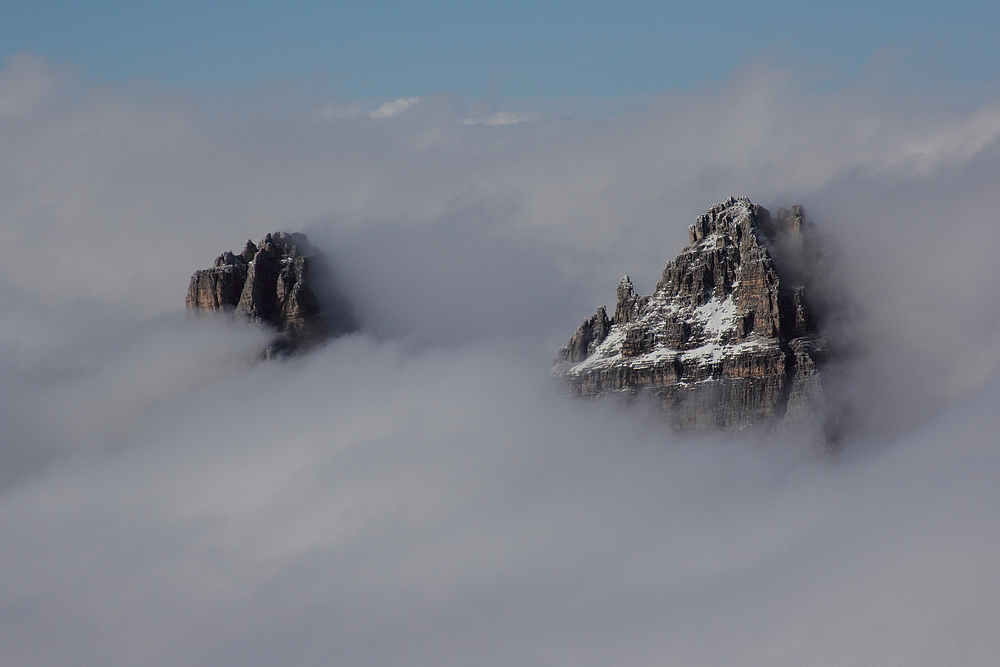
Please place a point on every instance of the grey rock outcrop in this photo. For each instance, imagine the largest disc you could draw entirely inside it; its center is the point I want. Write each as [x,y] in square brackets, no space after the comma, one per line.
[727,340]
[270,283]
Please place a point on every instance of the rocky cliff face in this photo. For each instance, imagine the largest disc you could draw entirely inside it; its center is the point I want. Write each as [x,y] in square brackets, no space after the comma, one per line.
[727,339]
[269,283]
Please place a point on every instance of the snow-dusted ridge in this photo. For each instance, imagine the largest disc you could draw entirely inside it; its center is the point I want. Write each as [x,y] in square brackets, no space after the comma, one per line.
[721,322]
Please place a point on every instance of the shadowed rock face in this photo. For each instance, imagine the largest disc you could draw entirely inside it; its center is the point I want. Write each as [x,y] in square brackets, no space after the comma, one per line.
[727,339]
[269,283]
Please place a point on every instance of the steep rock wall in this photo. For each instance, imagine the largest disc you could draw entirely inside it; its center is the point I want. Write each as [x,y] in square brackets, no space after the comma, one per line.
[269,283]
[727,340]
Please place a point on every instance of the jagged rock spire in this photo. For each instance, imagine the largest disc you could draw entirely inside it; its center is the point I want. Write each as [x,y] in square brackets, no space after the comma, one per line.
[726,340]
[269,284]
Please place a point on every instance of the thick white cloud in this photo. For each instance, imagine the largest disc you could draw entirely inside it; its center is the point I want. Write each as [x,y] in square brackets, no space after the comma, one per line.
[421,493]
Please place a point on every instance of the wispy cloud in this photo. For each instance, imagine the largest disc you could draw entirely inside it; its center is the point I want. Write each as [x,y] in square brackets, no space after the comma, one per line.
[507,118]
[343,111]
[394,108]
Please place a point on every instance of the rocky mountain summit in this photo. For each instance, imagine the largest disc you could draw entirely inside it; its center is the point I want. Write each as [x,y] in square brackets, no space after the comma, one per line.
[269,283]
[727,340]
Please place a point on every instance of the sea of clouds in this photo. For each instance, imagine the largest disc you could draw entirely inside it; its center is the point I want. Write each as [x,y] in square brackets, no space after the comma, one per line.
[421,492]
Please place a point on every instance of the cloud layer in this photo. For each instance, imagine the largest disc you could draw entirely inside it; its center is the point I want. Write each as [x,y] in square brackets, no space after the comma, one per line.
[421,493]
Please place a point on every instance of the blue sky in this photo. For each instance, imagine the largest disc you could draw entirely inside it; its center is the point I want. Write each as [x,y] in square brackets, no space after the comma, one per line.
[506,49]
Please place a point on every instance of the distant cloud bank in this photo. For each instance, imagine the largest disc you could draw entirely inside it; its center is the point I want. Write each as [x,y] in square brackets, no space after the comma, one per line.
[421,493]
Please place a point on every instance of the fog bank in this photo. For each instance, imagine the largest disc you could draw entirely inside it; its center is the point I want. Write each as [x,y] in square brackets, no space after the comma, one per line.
[421,493]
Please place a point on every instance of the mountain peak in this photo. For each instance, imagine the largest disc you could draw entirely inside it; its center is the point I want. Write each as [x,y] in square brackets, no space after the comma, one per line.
[269,283]
[726,340]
